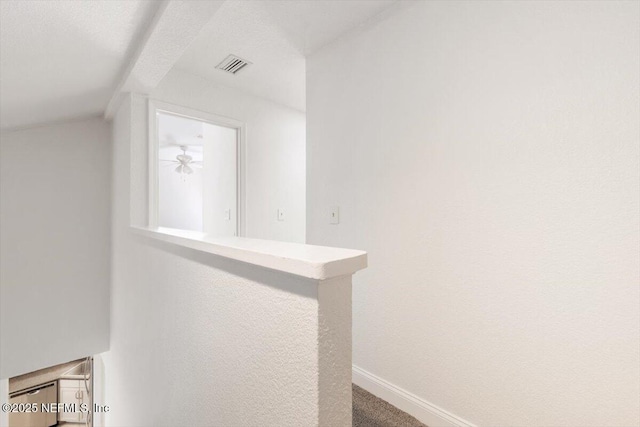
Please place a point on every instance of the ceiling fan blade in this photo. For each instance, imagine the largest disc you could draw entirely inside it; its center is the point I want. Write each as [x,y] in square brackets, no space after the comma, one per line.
[168,162]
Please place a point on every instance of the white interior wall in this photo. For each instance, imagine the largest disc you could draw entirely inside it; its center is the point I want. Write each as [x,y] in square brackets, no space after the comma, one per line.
[220,180]
[175,311]
[55,219]
[486,156]
[274,153]
[4,399]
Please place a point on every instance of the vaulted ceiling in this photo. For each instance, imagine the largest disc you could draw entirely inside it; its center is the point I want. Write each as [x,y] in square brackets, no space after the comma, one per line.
[65,59]
[61,59]
[275,36]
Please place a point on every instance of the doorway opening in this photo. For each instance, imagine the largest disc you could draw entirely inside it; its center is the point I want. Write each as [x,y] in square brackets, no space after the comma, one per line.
[195,179]
[58,395]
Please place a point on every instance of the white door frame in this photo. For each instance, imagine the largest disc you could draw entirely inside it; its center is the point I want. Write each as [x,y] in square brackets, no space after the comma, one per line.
[155,107]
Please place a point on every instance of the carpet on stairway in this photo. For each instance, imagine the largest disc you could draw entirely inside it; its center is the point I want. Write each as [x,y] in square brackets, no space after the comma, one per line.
[371,411]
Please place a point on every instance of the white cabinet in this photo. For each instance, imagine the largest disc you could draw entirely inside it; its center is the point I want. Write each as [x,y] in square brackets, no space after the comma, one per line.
[73,394]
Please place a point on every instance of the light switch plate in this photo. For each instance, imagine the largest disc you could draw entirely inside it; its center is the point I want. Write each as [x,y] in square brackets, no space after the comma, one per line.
[334,215]
[280,214]
[227,214]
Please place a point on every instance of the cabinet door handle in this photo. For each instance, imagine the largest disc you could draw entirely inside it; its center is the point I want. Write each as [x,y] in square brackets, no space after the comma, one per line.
[33,392]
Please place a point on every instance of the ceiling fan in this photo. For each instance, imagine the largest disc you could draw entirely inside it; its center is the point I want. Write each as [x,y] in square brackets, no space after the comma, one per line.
[184,162]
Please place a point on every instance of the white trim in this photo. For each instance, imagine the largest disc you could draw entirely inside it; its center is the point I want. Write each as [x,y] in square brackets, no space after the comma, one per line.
[426,412]
[241,209]
[153,164]
[313,262]
[177,110]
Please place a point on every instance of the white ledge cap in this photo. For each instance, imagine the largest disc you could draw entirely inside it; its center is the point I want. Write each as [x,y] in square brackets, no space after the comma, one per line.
[314,262]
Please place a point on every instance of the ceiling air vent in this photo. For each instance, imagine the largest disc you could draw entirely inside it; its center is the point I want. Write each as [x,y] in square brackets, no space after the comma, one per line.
[232,64]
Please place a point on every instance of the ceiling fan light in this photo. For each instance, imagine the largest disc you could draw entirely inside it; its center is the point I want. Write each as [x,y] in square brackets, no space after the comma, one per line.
[184,170]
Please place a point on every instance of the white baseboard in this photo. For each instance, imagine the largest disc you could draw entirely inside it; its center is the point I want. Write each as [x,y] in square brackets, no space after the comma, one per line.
[426,412]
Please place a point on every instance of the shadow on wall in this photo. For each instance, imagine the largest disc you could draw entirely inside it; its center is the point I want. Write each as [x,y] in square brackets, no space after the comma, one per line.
[262,275]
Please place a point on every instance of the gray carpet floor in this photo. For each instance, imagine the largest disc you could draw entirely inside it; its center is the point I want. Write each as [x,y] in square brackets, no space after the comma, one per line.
[371,411]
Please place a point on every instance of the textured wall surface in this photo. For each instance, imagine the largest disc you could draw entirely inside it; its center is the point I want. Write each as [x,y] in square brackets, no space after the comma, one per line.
[486,156]
[198,339]
[334,340]
[274,152]
[54,261]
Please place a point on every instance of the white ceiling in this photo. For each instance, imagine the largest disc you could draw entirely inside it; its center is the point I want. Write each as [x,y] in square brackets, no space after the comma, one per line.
[62,59]
[275,36]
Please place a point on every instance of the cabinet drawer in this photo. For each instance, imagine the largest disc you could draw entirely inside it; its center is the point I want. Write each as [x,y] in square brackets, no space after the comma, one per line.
[70,383]
[45,394]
